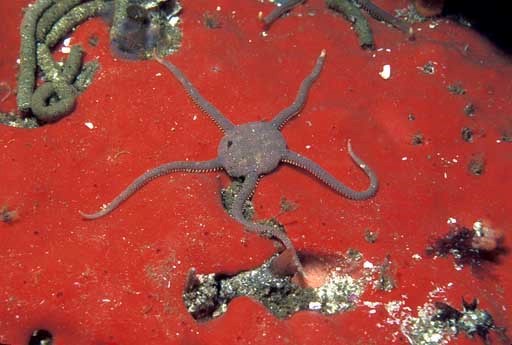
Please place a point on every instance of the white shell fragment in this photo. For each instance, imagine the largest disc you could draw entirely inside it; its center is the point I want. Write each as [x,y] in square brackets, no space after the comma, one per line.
[315,305]
[89,125]
[386,72]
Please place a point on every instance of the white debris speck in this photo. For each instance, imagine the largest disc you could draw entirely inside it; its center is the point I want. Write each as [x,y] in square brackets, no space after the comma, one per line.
[436,338]
[314,306]
[454,160]
[478,226]
[65,50]
[66,42]
[106,300]
[445,175]
[264,33]
[89,125]
[308,147]
[404,158]
[416,257]
[386,72]
[368,265]
[194,117]
[433,25]
[388,50]
[371,305]
[451,220]
[158,74]
[218,8]
[174,20]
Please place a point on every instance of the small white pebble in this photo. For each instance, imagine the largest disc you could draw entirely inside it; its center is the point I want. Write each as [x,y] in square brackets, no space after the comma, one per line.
[218,8]
[158,74]
[308,147]
[433,25]
[174,20]
[386,72]
[89,125]
[451,220]
[478,225]
[66,42]
[368,264]
[435,338]
[314,306]
[264,33]
[65,50]
[404,158]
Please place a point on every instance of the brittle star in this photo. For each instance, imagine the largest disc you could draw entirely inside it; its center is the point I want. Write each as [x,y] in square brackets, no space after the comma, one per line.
[375,11]
[249,151]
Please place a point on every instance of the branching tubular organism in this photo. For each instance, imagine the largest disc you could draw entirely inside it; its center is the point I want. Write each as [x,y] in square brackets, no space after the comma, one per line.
[47,22]
[247,152]
[28,62]
[350,10]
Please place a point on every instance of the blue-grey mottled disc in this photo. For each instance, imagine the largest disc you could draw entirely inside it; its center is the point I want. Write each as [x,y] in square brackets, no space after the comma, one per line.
[252,147]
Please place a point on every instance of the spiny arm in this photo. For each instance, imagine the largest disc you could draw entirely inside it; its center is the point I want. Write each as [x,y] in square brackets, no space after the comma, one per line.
[310,166]
[148,176]
[286,114]
[260,229]
[201,102]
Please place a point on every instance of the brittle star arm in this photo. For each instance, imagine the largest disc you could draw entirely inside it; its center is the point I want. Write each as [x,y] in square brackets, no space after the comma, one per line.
[278,12]
[381,15]
[141,181]
[302,162]
[198,99]
[286,114]
[245,193]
